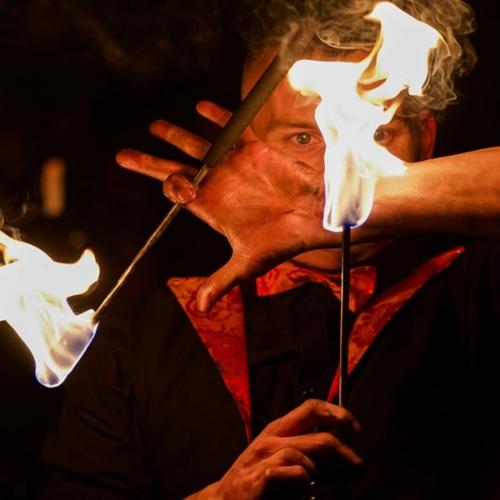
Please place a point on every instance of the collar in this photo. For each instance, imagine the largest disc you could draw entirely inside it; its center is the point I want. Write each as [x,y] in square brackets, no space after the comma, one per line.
[222,330]
[289,275]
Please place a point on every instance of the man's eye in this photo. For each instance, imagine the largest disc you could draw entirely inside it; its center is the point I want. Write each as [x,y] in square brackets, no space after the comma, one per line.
[382,136]
[303,138]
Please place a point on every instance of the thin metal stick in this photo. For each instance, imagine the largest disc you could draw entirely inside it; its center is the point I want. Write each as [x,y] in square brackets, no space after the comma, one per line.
[344,329]
[172,213]
[344,312]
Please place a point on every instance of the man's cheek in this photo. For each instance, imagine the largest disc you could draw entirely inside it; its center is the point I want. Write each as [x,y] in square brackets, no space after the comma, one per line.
[404,148]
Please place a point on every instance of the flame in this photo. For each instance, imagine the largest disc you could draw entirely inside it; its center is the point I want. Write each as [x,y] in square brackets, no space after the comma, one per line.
[356,99]
[33,300]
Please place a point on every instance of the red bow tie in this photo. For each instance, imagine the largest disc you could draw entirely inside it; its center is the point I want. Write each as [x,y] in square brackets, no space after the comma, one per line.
[289,275]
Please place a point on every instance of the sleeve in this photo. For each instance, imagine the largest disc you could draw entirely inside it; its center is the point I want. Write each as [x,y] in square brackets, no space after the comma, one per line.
[96,450]
[484,377]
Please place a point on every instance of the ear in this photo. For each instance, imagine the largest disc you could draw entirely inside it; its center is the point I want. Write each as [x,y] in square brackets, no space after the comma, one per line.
[428,128]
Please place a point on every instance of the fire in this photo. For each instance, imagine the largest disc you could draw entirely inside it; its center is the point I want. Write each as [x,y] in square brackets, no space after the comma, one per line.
[33,300]
[356,99]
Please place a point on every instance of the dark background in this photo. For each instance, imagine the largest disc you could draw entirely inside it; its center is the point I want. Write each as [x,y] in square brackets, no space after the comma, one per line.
[81,79]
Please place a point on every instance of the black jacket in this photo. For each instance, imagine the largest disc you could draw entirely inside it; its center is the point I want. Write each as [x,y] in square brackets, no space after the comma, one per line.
[147,414]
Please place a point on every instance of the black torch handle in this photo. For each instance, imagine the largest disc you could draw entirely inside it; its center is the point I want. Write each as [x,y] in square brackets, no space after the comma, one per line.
[293,49]
[263,88]
[246,111]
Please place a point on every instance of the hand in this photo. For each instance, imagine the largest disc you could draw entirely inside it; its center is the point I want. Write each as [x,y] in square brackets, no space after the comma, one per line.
[266,203]
[288,453]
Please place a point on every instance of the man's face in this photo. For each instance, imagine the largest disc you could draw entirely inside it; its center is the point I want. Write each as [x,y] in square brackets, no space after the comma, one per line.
[286,121]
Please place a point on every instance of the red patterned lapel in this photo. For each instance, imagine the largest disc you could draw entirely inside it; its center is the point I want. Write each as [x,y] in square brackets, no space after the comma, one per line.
[372,320]
[222,331]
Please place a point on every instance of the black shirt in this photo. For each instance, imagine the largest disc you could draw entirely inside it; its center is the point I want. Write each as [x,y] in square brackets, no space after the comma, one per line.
[293,337]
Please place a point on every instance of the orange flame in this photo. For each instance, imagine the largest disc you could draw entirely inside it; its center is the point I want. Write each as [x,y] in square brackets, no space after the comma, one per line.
[33,300]
[357,98]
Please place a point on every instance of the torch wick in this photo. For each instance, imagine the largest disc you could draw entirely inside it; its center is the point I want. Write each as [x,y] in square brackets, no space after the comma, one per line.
[344,313]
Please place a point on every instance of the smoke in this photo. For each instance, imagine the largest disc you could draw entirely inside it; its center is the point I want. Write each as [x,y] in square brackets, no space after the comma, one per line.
[343,27]
[11,215]
[134,38]
[12,231]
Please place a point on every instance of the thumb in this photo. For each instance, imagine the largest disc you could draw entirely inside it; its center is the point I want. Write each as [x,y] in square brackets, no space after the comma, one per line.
[218,284]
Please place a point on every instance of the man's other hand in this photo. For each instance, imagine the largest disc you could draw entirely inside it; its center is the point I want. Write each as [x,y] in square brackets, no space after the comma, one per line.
[289,453]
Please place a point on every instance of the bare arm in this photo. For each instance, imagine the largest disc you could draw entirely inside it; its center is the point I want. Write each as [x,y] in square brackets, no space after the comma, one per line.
[270,205]
[456,194]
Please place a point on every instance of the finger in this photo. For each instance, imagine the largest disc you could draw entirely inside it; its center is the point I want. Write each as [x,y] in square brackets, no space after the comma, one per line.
[324,445]
[286,472]
[220,116]
[213,112]
[178,189]
[279,452]
[310,415]
[189,143]
[218,284]
[287,481]
[158,168]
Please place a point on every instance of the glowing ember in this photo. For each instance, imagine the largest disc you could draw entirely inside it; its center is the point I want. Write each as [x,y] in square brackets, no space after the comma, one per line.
[33,300]
[357,98]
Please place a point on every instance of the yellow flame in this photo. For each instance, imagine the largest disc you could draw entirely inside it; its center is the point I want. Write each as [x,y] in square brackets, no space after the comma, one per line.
[33,300]
[357,98]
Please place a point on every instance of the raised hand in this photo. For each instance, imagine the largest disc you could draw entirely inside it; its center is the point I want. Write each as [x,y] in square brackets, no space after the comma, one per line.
[194,146]
[265,202]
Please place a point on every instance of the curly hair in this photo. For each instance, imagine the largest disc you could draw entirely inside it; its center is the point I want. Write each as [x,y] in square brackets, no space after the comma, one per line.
[343,26]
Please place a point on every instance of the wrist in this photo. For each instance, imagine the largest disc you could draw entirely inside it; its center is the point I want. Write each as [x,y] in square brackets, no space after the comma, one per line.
[211,492]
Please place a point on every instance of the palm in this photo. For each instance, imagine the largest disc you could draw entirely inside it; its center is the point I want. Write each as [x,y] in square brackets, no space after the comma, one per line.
[261,199]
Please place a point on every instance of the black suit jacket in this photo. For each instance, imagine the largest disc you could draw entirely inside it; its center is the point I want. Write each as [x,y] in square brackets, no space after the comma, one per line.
[147,414]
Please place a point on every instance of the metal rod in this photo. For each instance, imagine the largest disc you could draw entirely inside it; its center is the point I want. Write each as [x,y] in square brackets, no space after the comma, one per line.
[228,136]
[155,236]
[344,313]
[344,333]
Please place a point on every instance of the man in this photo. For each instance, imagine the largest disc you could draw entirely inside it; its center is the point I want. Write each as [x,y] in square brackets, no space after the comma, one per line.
[150,412]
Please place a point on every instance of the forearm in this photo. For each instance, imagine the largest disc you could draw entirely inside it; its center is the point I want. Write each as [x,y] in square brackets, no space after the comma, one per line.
[456,194]
[210,492]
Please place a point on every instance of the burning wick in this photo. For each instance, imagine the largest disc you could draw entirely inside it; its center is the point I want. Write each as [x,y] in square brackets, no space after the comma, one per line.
[33,300]
[356,99]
